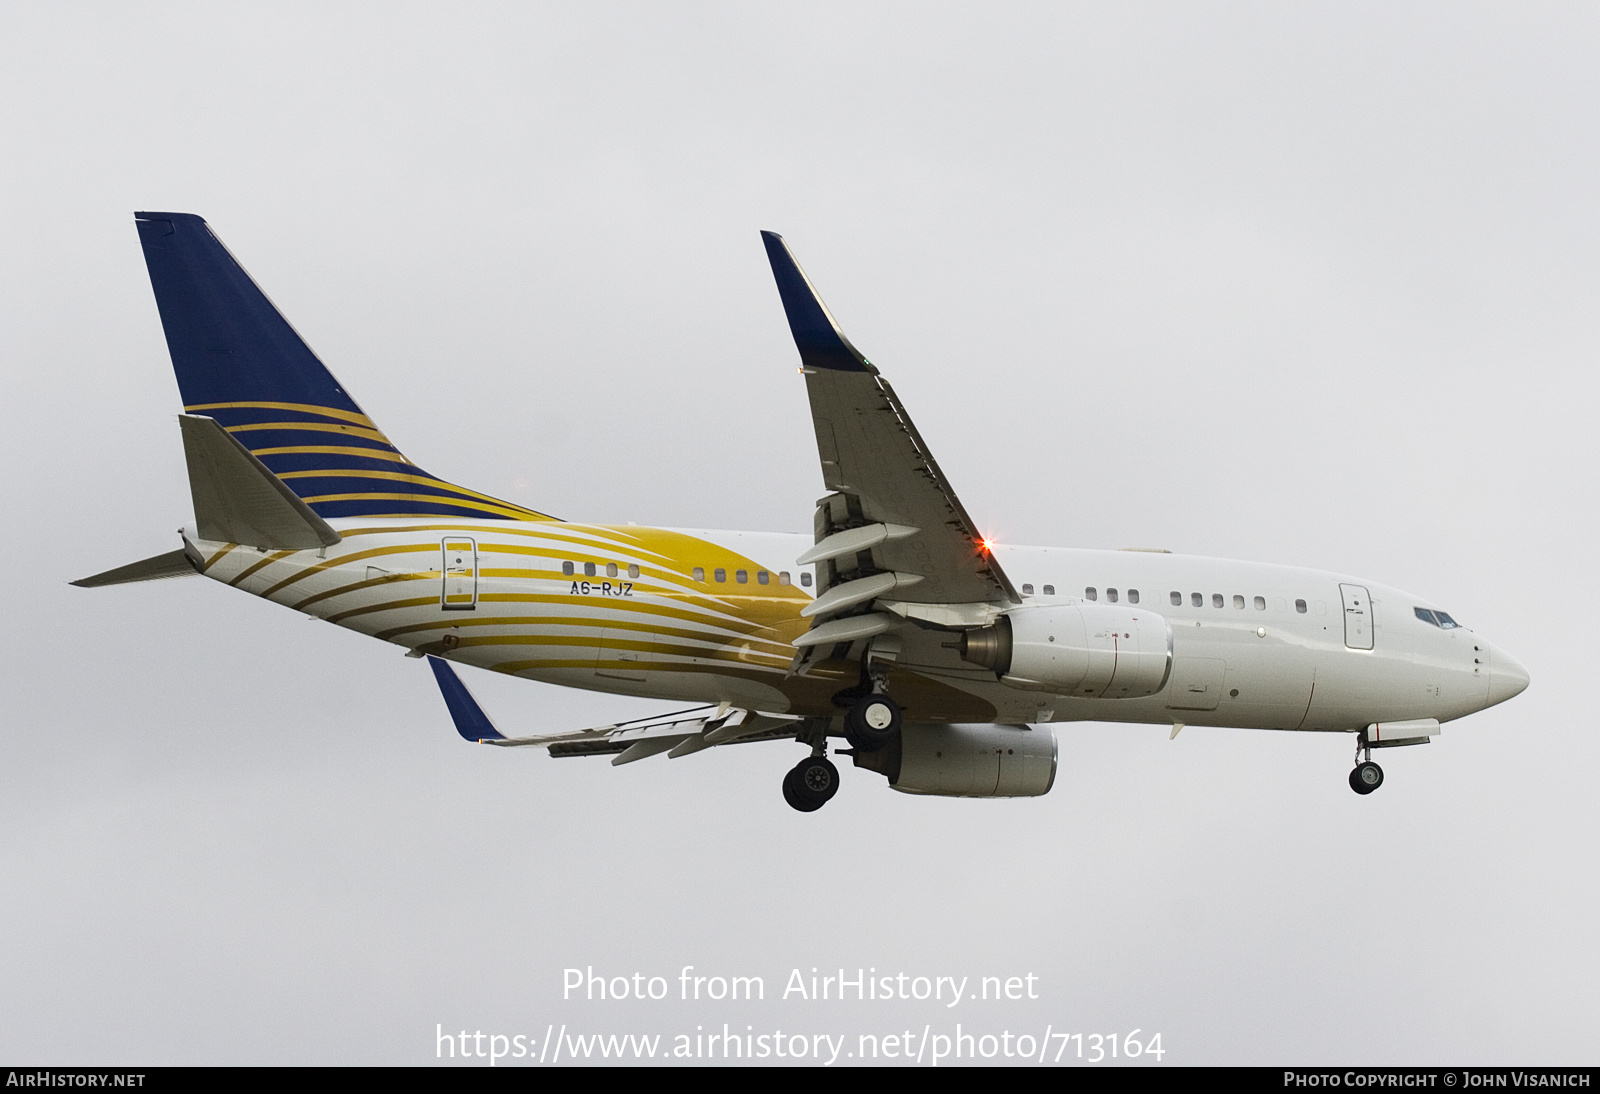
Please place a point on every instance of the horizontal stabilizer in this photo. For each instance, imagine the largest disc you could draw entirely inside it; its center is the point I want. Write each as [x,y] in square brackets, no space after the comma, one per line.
[471,722]
[237,500]
[171,564]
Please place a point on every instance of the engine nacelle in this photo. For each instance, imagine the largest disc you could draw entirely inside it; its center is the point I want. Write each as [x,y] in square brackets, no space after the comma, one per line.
[968,761]
[1094,651]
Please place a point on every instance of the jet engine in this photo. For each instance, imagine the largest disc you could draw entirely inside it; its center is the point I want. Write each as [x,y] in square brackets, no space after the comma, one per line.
[1094,651]
[967,761]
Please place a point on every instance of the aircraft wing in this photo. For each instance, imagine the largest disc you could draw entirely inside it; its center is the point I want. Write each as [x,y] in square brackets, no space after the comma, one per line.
[676,734]
[893,518]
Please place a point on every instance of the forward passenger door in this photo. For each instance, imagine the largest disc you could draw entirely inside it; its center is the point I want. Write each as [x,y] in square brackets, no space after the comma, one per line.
[1357,617]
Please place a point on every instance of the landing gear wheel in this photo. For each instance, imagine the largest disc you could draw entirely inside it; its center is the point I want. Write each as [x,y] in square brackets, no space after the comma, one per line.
[810,783]
[1366,777]
[872,723]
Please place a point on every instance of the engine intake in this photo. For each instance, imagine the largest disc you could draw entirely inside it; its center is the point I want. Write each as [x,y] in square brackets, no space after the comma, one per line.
[1095,651]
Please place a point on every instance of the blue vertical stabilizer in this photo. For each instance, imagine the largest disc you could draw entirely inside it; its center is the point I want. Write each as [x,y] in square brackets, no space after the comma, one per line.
[239,361]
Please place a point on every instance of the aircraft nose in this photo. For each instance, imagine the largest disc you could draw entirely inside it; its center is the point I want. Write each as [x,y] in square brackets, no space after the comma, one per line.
[1507,677]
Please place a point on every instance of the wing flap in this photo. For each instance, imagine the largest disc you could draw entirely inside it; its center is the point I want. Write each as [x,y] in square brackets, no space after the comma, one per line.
[686,730]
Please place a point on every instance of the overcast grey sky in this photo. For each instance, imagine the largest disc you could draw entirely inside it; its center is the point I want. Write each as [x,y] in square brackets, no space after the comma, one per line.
[1305,283]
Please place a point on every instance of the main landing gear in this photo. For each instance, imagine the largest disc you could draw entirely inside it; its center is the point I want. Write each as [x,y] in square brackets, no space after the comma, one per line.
[810,783]
[870,723]
[1367,775]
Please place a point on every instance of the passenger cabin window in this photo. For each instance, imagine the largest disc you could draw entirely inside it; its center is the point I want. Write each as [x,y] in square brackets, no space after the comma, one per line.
[762,576]
[1261,603]
[611,569]
[1027,590]
[783,577]
[1300,606]
[633,569]
[1238,601]
[742,576]
[1111,596]
[1090,594]
[568,568]
[720,574]
[1197,600]
[1216,600]
[1049,590]
[588,569]
[1133,596]
[1177,599]
[805,579]
[699,573]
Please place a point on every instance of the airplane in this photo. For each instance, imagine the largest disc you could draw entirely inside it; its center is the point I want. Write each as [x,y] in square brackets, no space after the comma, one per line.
[941,659]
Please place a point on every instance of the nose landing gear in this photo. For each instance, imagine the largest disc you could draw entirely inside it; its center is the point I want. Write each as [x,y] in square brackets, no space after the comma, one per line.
[1367,775]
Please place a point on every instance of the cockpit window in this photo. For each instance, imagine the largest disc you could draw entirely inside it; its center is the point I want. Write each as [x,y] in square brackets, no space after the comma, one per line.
[1438,619]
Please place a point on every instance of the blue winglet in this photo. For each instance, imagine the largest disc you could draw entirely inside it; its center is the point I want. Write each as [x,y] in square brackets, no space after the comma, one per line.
[820,341]
[471,722]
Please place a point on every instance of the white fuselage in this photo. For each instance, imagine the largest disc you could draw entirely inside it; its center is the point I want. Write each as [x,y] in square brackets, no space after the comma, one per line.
[1253,645]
